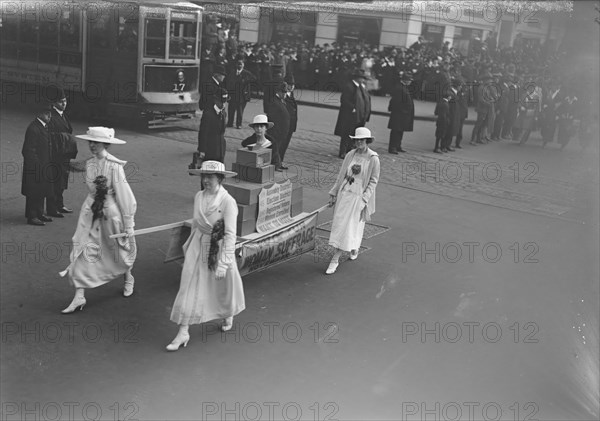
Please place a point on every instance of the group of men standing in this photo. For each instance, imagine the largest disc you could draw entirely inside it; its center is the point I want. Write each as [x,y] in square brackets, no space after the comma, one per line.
[47,151]
[223,99]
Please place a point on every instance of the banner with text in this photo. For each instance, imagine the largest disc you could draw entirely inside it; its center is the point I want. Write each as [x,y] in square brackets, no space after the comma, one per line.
[274,206]
[278,247]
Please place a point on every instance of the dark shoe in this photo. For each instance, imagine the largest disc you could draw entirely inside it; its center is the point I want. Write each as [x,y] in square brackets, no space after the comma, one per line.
[279,169]
[283,167]
[458,147]
[238,127]
[393,151]
[230,125]
[65,209]
[436,150]
[56,215]
[450,149]
[444,150]
[44,218]
[35,221]
[401,150]
[473,143]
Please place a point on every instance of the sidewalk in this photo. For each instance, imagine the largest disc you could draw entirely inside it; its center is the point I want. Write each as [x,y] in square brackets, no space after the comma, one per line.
[379,104]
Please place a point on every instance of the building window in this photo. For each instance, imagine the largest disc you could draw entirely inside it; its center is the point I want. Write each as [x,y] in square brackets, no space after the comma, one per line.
[463,39]
[358,30]
[434,34]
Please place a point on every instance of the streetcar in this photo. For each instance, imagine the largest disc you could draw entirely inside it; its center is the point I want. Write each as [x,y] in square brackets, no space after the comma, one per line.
[116,60]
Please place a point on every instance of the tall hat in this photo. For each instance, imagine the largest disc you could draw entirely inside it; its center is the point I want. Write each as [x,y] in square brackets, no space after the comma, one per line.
[289,78]
[359,73]
[212,167]
[219,69]
[101,134]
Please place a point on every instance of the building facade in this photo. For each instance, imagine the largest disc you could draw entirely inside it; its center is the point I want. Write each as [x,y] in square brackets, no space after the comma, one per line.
[383,24]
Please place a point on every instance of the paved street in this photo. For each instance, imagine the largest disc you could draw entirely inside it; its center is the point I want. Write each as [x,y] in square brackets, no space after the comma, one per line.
[475,298]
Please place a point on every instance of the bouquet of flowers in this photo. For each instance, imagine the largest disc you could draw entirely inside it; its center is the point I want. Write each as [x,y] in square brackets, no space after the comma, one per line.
[218,232]
[101,191]
[354,170]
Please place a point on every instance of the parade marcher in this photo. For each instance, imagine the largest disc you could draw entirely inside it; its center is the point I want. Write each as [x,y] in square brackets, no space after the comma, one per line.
[402,113]
[211,286]
[548,118]
[211,134]
[292,107]
[38,171]
[442,111]
[108,209]
[355,110]
[483,109]
[566,119]
[64,148]
[280,116]
[353,195]
[239,83]
[528,109]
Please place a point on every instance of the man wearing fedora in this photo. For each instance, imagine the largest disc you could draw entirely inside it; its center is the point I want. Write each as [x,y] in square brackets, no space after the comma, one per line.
[36,184]
[292,107]
[211,135]
[64,148]
[238,82]
[355,110]
[402,113]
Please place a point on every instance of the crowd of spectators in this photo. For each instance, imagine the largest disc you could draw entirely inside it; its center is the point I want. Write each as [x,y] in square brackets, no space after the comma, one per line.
[432,68]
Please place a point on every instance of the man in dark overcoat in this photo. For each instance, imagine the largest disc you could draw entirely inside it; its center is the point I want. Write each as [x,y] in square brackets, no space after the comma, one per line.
[463,107]
[280,116]
[239,83]
[64,148]
[292,107]
[355,110]
[38,173]
[402,113]
[211,135]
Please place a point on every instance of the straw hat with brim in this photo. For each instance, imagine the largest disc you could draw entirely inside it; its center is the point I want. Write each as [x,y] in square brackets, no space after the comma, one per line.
[362,133]
[213,167]
[102,135]
[261,119]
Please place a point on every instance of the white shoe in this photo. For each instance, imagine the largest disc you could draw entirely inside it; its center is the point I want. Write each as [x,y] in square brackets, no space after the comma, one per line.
[129,282]
[332,268]
[227,324]
[353,254]
[180,339]
[77,302]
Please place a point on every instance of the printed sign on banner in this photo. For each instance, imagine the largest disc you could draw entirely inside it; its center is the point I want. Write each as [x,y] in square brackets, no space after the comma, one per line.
[274,207]
[278,247]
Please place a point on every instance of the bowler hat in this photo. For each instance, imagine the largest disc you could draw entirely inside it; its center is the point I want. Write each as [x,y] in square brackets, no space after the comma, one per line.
[289,79]
[55,93]
[359,73]
[212,167]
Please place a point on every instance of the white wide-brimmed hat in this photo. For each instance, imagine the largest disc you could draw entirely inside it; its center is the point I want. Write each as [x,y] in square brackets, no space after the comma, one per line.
[101,134]
[362,133]
[261,119]
[212,167]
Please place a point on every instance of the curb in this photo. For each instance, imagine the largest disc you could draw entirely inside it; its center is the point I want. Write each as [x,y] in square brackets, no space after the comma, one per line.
[373,112]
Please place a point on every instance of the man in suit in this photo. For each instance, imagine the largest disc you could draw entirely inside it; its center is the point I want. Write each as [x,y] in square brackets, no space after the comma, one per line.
[238,83]
[463,107]
[402,113]
[64,148]
[355,110]
[211,135]
[484,107]
[36,184]
[292,107]
[280,116]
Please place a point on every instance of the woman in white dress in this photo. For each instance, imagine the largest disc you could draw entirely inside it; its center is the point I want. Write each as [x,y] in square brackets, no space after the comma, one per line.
[211,286]
[353,195]
[108,209]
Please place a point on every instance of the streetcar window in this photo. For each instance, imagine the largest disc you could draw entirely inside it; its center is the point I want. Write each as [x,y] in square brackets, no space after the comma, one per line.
[155,38]
[182,41]
[69,31]
[127,38]
[99,27]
